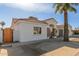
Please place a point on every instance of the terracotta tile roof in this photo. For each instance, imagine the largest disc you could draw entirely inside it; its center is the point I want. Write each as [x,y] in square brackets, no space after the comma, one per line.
[60,26]
[51,19]
[30,19]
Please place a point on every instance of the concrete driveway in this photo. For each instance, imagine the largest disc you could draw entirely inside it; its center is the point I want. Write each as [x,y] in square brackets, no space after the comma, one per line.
[59,48]
[52,47]
[22,50]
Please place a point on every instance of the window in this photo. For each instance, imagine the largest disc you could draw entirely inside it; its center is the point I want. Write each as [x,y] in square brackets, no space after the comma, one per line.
[37,30]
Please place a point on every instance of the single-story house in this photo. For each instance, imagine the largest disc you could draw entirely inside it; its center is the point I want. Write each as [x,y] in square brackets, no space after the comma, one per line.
[30,29]
[60,30]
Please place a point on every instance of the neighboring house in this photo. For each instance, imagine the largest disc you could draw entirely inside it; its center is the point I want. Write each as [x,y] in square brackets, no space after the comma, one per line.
[60,30]
[76,31]
[30,29]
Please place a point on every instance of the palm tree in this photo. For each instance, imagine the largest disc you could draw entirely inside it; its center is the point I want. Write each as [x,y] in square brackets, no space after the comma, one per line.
[64,8]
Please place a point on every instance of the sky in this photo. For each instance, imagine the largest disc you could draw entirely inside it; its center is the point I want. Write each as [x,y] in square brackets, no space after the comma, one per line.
[40,10]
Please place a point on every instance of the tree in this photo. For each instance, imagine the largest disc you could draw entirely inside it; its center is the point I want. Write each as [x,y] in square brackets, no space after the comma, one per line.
[64,8]
[2,24]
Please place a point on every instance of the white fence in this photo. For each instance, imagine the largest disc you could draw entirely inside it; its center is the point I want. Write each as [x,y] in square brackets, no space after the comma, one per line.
[1,36]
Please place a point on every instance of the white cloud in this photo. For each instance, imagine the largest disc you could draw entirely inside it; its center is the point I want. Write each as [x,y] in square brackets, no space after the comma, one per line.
[32,7]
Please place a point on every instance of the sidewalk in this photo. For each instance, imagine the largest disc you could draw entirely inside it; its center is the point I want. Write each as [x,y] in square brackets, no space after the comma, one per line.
[63,51]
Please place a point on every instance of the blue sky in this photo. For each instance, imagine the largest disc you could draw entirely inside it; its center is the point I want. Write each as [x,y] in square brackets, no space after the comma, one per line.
[41,10]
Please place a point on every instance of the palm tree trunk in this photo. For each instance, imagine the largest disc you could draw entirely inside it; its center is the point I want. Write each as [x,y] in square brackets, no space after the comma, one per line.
[66,31]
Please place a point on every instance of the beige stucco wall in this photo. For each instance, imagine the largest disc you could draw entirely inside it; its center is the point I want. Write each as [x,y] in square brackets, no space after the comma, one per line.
[53,22]
[70,30]
[23,32]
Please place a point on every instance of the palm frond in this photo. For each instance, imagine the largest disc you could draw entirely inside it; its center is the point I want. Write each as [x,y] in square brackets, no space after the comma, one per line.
[58,7]
[76,4]
[72,9]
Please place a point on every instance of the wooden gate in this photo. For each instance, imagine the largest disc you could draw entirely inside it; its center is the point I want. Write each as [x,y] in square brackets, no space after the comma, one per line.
[7,35]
